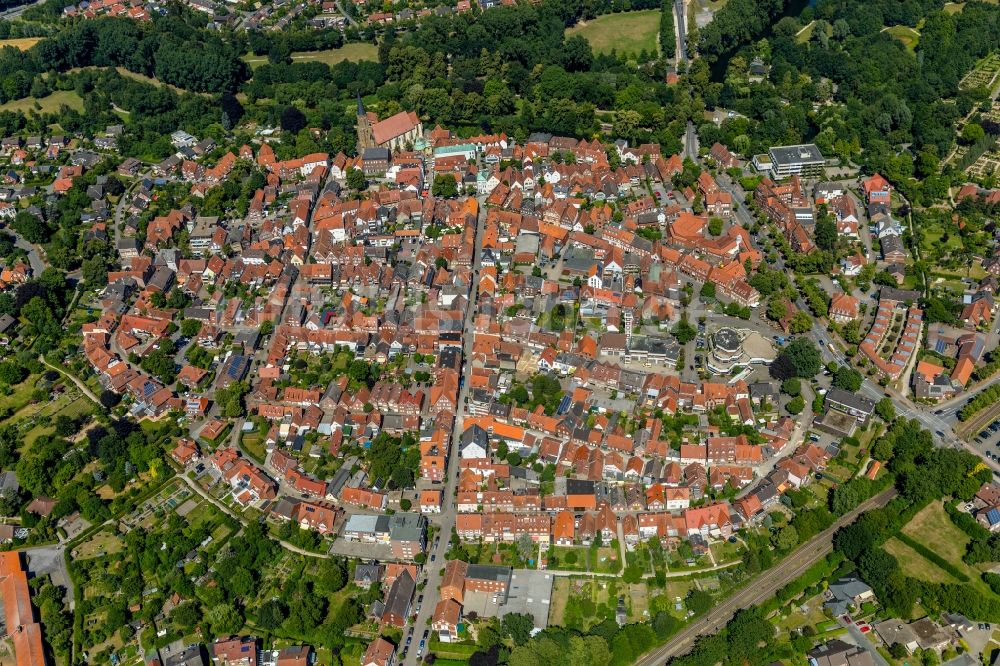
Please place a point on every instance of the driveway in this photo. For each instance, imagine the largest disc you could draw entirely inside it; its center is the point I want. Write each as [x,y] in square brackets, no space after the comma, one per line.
[855,637]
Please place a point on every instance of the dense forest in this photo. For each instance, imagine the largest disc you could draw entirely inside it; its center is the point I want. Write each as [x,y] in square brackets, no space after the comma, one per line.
[172,48]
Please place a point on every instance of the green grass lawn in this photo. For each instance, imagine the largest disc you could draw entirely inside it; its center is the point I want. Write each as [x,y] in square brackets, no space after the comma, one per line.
[253,444]
[48,104]
[20,396]
[625,32]
[933,527]
[103,541]
[354,52]
[914,564]
[580,564]
[723,551]
[604,560]
[203,513]
[806,33]
[38,418]
[932,236]
[792,619]
[905,34]
[948,541]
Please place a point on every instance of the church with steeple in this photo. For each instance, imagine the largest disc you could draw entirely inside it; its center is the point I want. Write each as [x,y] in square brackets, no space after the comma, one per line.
[366,139]
[399,132]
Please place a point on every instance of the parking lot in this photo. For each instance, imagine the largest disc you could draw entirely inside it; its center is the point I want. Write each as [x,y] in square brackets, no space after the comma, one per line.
[988,440]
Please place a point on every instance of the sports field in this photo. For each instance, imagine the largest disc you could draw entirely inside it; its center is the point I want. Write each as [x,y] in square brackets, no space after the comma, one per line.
[625,32]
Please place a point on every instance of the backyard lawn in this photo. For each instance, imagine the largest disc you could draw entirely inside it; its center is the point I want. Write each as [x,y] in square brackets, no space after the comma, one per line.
[569,558]
[253,443]
[20,396]
[624,32]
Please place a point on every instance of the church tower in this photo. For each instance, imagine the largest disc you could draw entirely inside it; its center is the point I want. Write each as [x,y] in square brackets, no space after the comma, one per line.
[366,138]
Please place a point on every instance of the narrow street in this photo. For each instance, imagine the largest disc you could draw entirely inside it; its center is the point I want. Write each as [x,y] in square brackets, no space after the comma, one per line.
[446,519]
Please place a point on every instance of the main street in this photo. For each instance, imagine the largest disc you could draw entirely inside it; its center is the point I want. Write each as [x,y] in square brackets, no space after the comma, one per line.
[445,521]
[763,587]
[680,26]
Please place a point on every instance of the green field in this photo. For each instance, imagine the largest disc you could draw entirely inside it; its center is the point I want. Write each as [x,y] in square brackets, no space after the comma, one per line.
[354,52]
[626,32]
[48,104]
[102,542]
[947,541]
[253,444]
[956,7]
[914,564]
[806,33]
[905,34]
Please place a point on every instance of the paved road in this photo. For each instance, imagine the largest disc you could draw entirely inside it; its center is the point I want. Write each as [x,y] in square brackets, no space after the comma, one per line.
[862,641]
[763,587]
[14,12]
[34,254]
[682,55]
[691,150]
[340,8]
[446,519]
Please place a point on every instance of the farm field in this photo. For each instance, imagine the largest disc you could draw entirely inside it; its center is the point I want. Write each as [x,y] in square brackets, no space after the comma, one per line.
[625,32]
[48,104]
[20,43]
[354,52]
